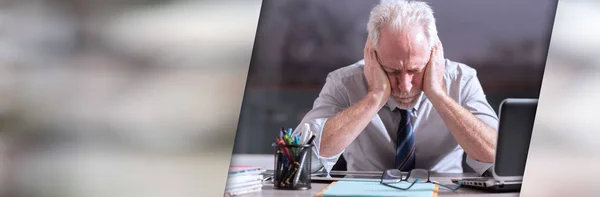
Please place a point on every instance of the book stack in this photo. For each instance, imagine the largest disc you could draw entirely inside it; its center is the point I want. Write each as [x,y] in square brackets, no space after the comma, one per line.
[244,180]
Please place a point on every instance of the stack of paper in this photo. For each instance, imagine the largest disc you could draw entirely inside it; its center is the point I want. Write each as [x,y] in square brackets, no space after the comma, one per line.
[244,180]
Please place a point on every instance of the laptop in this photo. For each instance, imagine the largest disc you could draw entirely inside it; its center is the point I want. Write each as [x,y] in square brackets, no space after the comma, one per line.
[516,118]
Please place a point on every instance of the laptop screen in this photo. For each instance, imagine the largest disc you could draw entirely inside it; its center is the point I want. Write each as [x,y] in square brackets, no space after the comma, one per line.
[516,124]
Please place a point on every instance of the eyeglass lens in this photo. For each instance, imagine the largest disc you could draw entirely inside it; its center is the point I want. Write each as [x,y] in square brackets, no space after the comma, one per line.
[392,176]
[418,174]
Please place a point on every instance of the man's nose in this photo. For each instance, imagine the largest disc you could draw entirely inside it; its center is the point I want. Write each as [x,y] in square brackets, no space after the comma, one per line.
[404,82]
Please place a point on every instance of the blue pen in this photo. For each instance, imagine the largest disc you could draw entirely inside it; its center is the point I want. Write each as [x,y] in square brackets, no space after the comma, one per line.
[297,139]
[290,131]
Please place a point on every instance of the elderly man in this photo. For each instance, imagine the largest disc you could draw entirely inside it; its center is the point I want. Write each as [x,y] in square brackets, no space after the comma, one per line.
[404,105]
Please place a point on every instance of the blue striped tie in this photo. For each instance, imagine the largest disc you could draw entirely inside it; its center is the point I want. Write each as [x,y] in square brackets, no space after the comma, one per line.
[405,150]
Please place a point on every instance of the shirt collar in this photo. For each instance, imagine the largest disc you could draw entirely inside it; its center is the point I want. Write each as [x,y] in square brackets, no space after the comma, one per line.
[392,104]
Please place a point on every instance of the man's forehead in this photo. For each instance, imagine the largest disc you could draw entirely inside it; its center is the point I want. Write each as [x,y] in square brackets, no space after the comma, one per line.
[412,35]
[402,61]
[403,50]
[408,48]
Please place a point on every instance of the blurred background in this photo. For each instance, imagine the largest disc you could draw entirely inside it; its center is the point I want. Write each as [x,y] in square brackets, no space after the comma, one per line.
[299,42]
[142,97]
[564,154]
[121,97]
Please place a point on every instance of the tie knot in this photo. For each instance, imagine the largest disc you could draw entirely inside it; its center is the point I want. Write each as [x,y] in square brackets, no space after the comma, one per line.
[404,113]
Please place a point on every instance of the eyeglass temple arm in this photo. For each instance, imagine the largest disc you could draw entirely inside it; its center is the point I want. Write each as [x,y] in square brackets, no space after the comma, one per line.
[451,188]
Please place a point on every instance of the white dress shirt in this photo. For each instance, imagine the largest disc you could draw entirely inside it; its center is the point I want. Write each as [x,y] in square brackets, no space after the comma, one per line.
[374,148]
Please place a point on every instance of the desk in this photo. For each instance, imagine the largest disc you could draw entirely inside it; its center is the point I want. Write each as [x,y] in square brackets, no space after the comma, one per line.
[444,178]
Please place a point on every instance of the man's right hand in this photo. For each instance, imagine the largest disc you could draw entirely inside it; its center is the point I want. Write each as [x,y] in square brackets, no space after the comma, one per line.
[341,129]
[379,84]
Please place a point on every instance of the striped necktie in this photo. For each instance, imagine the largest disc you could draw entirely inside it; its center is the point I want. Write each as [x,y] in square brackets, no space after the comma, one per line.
[405,144]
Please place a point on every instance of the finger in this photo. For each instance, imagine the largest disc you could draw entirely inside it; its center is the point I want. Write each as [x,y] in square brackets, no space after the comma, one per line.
[374,56]
[367,55]
[370,55]
[368,51]
[365,51]
[431,56]
[439,49]
[439,55]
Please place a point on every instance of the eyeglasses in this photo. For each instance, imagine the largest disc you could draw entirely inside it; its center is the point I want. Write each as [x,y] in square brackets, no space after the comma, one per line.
[392,176]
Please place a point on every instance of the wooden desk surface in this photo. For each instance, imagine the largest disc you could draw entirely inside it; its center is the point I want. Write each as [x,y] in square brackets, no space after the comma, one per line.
[444,178]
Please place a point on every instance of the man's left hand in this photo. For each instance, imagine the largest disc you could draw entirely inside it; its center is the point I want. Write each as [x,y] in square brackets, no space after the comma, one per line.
[433,79]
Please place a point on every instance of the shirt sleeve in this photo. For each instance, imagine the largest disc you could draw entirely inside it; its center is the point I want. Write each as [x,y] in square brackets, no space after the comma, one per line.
[476,102]
[331,100]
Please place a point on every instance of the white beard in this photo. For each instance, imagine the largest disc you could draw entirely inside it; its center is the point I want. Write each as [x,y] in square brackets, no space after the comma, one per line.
[403,102]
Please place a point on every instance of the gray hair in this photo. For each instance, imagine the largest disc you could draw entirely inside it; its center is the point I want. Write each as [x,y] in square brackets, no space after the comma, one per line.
[401,14]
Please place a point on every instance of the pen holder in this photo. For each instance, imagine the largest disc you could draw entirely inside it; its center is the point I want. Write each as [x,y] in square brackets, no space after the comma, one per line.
[294,174]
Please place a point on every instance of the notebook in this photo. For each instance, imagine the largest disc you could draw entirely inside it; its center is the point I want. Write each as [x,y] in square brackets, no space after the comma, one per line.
[243,190]
[244,180]
[370,187]
[245,170]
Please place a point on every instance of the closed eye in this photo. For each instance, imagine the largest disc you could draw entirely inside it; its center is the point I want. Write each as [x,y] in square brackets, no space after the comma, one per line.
[415,71]
[394,71]
[390,71]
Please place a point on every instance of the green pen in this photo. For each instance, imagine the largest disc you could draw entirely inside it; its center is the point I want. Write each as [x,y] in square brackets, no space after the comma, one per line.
[288,141]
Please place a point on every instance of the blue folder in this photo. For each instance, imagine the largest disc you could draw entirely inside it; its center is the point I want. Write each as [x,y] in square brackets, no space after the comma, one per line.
[371,187]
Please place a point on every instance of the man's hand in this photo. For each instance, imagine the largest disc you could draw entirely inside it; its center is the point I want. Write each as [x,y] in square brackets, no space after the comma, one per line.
[433,79]
[341,129]
[379,84]
[474,136]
